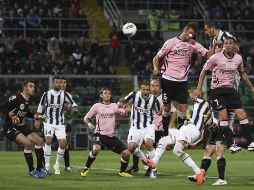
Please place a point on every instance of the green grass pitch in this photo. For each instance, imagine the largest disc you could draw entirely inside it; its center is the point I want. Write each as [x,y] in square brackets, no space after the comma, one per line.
[103,174]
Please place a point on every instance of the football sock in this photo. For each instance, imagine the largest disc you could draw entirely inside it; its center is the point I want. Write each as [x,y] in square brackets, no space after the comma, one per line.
[135,161]
[246,130]
[158,153]
[29,159]
[221,164]
[227,132]
[40,157]
[66,158]
[205,163]
[47,154]
[90,159]
[60,154]
[124,165]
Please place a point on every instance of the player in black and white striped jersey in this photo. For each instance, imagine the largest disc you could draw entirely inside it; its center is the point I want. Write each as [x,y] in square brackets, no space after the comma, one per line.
[68,167]
[144,106]
[52,105]
[189,133]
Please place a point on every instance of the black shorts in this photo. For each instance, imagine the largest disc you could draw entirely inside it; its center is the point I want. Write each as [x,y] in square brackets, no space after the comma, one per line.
[215,135]
[11,131]
[112,143]
[174,90]
[225,98]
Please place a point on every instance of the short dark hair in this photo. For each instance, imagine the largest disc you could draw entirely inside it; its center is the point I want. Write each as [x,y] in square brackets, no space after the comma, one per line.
[63,78]
[192,25]
[25,82]
[146,83]
[56,77]
[212,24]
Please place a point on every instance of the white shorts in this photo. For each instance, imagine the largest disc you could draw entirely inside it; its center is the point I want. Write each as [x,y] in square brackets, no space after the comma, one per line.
[173,134]
[139,135]
[58,130]
[188,133]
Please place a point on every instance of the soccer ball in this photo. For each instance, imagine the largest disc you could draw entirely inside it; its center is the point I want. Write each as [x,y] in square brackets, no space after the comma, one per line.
[129,29]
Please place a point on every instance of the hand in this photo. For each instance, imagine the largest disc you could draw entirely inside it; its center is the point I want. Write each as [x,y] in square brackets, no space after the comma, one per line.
[91,126]
[196,94]
[40,117]
[15,120]
[156,72]
[74,109]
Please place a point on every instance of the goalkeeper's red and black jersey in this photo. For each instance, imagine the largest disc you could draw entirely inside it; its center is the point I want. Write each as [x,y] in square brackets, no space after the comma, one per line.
[17,105]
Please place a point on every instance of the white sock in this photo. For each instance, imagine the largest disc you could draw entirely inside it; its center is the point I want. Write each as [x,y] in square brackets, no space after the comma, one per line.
[179,151]
[151,154]
[189,162]
[139,153]
[47,155]
[60,154]
[158,153]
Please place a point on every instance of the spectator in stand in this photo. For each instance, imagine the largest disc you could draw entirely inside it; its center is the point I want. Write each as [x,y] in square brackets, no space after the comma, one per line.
[114,46]
[33,21]
[152,24]
[53,46]
[20,46]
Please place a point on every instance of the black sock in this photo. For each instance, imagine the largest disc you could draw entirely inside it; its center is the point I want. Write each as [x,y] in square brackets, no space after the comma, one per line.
[205,164]
[135,161]
[165,123]
[29,161]
[124,165]
[247,133]
[180,122]
[228,134]
[221,164]
[40,157]
[66,158]
[90,160]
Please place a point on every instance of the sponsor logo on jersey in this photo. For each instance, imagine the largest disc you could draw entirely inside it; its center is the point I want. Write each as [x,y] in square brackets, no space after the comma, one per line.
[22,106]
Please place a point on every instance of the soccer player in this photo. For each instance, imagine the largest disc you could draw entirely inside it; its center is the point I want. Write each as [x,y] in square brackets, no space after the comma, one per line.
[16,109]
[213,30]
[104,132]
[176,55]
[225,65]
[215,144]
[189,133]
[66,152]
[52,103]
[144,104]
[161,126]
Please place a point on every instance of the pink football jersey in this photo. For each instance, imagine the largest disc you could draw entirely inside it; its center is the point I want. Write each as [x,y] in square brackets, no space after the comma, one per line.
[177,54]
[105,117]
[224,69]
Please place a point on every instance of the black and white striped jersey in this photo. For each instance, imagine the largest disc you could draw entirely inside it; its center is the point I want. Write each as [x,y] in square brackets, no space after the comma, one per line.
[142,110]
[200,108]
[222,35]
[52,104]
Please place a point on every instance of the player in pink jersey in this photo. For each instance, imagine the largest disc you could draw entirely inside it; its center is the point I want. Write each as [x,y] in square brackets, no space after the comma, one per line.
[224,66]
[104,132]
[176,53]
